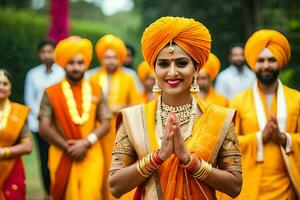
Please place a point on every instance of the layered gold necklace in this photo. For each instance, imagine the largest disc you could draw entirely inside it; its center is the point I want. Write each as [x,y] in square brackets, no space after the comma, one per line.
[4,114]
[183,112]
[186,114]
[86,102]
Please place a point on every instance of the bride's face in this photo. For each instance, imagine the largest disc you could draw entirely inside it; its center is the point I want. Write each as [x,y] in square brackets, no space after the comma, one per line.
[174,71]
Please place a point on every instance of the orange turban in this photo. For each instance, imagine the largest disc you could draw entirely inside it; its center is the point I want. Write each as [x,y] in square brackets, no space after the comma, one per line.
[110,41]
[192,36]
[145,70]
[67,48]
[212,66]
[274,41]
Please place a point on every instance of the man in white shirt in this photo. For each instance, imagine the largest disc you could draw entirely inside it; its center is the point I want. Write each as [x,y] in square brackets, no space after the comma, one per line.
[37,80]
[237,77]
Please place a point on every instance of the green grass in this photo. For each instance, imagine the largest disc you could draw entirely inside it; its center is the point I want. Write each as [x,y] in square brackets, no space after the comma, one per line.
[35,190]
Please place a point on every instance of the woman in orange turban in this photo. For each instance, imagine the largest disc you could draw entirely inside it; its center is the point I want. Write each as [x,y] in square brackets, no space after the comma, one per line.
[177,146]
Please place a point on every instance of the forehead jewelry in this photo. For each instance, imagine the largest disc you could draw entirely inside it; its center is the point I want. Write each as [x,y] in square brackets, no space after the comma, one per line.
[171,48]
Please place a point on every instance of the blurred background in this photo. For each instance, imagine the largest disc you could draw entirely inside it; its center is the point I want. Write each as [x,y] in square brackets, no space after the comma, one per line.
[23,23]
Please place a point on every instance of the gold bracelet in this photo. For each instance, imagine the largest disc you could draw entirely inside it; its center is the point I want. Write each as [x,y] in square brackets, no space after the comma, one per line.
[148,165]
[139,170]
[203,171]
[7,152]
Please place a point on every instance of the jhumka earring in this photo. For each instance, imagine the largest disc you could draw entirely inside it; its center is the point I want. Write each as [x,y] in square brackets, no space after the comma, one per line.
[195,87]
[156,88]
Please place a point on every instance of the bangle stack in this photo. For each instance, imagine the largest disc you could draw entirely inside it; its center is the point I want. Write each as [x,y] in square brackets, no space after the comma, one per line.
[92,138]
[5,152]
[198,169]
[149,164]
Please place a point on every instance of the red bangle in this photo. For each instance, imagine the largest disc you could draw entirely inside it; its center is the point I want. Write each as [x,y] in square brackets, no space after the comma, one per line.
[157,159]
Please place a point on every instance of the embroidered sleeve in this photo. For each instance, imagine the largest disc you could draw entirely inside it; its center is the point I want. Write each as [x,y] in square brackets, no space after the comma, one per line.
[123,154]
[229,157]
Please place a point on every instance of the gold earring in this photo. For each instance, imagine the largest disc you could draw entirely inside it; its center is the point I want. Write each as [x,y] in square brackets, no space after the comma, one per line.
[156,88]
[195,87]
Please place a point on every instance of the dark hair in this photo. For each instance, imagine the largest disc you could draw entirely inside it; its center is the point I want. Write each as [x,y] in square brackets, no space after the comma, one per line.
[235,45]
[131,48]
[45,42]
[7,74]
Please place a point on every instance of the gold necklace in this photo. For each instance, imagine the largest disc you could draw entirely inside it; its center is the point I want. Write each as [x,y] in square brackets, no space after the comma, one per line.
[4,114]
[182,112]
[160,124]
[86,102]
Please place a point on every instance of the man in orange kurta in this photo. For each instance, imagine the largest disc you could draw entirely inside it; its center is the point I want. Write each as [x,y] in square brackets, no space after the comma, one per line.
[118,87]
[268,123]
[68,118]
[205,78]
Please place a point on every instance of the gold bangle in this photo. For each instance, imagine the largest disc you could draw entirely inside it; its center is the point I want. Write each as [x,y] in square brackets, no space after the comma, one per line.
[147,165]
[139,170]
[143,168]
[7,152]
[203,171]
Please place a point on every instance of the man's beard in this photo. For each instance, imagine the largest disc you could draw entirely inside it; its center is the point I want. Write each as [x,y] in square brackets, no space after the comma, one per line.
[74,78]
[267,79]
[239,63]
[48,62]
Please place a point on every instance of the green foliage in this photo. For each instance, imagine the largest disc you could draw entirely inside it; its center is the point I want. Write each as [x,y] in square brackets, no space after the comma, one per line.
[20,32]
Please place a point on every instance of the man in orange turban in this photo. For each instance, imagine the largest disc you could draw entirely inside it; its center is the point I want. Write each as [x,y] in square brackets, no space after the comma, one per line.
[69,113]
[118,87]
[147,76]
[268,123]
[71,47]
[205,78]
